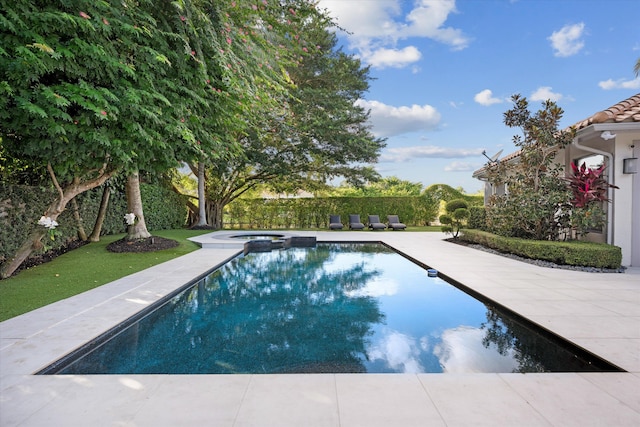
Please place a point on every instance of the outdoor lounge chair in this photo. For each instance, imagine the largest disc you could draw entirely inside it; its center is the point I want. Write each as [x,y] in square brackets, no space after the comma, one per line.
[395,223]
[354,222]
[335,223]
[375,224]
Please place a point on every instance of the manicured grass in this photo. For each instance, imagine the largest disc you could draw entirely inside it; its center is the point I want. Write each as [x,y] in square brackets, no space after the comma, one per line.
[83,269]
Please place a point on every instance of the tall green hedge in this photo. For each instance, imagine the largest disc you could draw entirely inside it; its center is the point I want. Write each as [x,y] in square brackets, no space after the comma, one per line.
[22,206]
[314,212]
[163,209]
[477,217]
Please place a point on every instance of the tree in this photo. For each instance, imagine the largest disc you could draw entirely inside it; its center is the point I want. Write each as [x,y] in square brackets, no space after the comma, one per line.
[390,186]
[317,132]
[536,204]
[455,218]
[636,68]
[242,48]
[445,193]
[80,95]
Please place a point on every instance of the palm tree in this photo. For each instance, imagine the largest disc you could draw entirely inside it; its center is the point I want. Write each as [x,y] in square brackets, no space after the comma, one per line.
[636,69]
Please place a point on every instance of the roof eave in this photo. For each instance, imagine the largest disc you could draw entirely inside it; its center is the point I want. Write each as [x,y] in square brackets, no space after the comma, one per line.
[588,131]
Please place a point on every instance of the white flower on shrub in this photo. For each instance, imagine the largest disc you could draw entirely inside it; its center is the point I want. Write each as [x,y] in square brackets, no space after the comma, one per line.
[47,222]
[130,218]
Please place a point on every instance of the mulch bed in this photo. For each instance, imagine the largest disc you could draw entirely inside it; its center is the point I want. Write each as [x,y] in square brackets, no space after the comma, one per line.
[150,244]
[35,260]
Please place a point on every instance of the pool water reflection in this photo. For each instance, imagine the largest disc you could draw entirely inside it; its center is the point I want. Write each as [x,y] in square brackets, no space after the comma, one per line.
[330,308]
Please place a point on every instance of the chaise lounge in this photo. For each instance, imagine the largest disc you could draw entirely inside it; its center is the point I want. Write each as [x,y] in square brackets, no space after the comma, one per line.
[354,222]
[335,223]
[375,224]
[394,223]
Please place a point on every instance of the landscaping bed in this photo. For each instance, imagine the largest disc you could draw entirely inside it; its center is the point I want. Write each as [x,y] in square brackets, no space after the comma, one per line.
[578,256]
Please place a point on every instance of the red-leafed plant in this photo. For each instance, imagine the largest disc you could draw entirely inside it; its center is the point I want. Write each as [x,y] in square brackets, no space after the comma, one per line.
[589,188]
[588,185]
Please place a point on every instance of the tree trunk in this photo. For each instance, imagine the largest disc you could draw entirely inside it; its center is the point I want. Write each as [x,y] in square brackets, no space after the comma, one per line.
[215,210]
[82,235]
[138,230]
[202,211]
[34,241]
[102,213]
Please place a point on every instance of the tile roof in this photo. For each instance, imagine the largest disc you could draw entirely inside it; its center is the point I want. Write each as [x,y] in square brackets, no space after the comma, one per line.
[624,111]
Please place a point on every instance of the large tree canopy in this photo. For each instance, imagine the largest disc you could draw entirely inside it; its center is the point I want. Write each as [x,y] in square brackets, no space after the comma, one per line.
[317,132]
[88,89]
[77,92]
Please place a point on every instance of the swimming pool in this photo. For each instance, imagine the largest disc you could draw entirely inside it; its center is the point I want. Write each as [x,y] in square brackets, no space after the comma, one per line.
[328,308]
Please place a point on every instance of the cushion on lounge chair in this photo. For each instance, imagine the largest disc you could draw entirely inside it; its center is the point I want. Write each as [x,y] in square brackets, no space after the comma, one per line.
[375,224]
[354,222]
[395,223]
[335,223]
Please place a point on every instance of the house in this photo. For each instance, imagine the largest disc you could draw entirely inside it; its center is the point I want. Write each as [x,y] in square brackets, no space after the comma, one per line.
[612,137]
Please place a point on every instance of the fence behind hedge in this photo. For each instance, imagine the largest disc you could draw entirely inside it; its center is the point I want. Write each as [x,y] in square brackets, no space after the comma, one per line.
[314,212]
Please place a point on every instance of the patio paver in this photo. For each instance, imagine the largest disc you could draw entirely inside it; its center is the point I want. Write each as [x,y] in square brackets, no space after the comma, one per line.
[597,311]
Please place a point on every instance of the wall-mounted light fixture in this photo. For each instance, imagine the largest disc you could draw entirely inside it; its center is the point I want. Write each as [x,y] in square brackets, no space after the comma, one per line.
[630,165]
[607,135]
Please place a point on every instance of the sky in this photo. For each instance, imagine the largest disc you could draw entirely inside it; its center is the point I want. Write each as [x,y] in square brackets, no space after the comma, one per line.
[443,73]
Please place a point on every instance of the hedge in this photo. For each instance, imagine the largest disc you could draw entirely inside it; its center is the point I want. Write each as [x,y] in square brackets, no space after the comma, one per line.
[577,253]
[22,206]
[477,217]
[314,212]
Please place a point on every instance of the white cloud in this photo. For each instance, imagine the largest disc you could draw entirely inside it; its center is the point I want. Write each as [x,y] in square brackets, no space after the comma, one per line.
[486,98]
[388,120]
[404,154]
[461,167]
[375,27]
[399,351]
[568,40]
[376,288]
[543,93]
[462,350]
[427,19]
[396,58]
[620,84]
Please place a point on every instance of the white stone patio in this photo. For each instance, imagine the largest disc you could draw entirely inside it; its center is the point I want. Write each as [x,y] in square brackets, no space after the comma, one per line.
[600,312]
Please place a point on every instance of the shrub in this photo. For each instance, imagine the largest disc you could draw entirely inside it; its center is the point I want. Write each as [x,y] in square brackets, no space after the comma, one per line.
[536,204]
[477,217]
[455,219]
[578,253]
[454,205]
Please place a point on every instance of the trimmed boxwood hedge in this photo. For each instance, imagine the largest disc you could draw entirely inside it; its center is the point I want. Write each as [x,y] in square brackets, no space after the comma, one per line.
[578,253]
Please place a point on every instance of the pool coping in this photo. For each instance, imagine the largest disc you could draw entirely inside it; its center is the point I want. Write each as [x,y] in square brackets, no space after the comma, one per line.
[33,340]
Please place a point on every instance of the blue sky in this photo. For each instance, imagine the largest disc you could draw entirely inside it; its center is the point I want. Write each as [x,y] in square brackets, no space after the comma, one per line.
[444,71]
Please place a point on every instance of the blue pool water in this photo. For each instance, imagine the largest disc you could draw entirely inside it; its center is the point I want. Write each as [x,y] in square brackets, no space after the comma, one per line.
[329,308]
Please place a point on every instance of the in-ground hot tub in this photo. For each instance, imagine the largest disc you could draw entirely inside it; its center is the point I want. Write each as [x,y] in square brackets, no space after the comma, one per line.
[256,241]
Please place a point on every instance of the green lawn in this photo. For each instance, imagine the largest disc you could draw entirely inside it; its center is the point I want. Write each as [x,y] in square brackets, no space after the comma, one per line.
[82,269]
[91,266]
